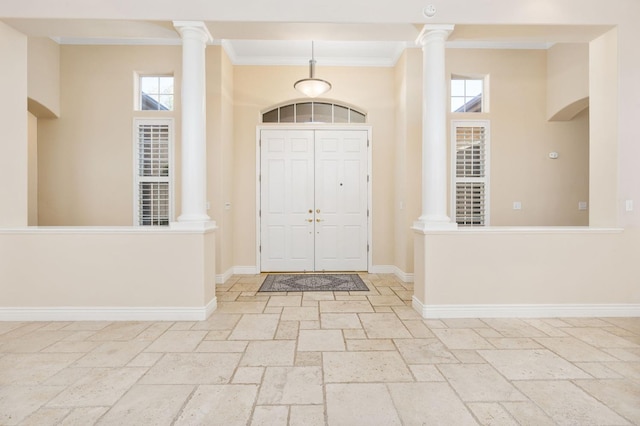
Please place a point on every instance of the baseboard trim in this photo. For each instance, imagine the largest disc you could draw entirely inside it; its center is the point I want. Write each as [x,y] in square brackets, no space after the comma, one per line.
[245,270]
[222,278]
[405,277]
[109,313]
[209,308]
[382,269]
[526,310]
[236,270]
[392,269]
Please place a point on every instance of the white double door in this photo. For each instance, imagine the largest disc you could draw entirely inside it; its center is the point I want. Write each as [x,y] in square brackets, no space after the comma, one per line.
[313,200]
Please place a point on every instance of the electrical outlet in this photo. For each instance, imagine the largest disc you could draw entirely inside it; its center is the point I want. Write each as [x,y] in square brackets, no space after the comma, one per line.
[517,205]
[582,205]
[628,205]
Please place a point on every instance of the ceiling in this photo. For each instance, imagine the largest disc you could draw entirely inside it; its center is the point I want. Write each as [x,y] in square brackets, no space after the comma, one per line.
[272,43]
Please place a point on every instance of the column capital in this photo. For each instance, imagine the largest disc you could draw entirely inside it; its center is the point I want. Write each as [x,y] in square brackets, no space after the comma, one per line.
[197,28]
[432,32]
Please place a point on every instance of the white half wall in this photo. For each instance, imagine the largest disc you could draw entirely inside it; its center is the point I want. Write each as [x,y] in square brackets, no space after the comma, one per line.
[106,273]
[518,272]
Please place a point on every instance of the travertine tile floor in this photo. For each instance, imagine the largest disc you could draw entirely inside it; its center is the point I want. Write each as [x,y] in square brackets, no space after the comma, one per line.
[360,358]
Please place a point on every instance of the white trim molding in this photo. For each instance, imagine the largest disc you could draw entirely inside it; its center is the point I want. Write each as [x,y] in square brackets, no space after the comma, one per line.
[525,310]
[109,313]
[403,276]
[246,270]
[222,278]
[236,270]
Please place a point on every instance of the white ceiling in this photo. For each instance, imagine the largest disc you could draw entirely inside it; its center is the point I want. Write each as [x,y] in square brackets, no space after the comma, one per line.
[255,43]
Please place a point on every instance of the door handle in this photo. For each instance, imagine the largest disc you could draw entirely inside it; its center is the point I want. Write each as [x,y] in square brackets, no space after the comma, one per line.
[317,211]
[309,220]
[319,220]
[310,210]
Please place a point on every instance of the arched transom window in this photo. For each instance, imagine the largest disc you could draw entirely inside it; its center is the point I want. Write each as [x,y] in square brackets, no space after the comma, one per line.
[314,112]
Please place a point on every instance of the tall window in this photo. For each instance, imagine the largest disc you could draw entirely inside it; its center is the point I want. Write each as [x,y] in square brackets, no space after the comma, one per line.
[471,176]
[156,93]
[153,189]
[466,94]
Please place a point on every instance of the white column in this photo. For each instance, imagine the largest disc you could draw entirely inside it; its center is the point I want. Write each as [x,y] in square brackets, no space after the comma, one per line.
[194,167]
[434,130]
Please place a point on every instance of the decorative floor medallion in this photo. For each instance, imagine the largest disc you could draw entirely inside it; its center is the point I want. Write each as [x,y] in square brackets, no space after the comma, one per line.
[313,282]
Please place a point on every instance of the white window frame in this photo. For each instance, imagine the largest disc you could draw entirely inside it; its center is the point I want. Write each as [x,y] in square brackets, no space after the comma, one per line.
[137,179]
[485,91]
[138,91]
[351,112]
[487,170]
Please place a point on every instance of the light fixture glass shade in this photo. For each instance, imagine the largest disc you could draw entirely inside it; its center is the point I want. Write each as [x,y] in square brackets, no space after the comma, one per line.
[312,87]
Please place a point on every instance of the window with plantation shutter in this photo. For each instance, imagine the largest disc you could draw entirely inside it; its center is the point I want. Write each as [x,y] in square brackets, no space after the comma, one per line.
[471,172]
[153,171]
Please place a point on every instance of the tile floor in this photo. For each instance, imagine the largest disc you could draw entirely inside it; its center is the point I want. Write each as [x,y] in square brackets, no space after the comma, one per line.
[360,358]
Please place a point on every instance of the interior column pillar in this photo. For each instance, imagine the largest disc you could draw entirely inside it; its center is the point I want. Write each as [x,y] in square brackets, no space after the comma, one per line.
[434,218]
[195,36]
[434,131]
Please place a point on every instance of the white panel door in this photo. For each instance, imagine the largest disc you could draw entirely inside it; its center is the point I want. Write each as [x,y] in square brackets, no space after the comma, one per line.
[287,200]
[341,230]
[313,200]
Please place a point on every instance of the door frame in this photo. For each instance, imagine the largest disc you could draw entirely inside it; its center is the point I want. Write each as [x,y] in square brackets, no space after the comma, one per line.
[337,127]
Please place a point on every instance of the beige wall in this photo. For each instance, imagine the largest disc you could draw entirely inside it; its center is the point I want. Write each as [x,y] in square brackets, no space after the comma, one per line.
[579,267]
[614,115]
[113,268]
[86,156]
[13,142]
[603,168]
[408,165]
[521,139]
[258,87]
[32,196]
[567,80]
[43,75]
[220,150]
[626,123]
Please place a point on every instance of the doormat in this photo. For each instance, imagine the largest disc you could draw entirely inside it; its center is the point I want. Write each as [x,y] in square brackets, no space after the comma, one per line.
[313,282]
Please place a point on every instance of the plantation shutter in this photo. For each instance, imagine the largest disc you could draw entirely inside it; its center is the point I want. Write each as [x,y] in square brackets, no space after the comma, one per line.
[153,172]
[471,173]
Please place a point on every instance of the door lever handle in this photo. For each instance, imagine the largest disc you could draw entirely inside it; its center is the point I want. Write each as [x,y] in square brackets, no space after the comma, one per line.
[309,220]
[319,220]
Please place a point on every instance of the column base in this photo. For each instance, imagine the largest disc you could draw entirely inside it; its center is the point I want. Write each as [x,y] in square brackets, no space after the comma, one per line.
[191,217]
[422,225]
[208,225]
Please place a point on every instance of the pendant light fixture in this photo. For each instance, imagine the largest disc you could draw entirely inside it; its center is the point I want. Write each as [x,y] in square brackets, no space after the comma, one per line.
[312,86]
